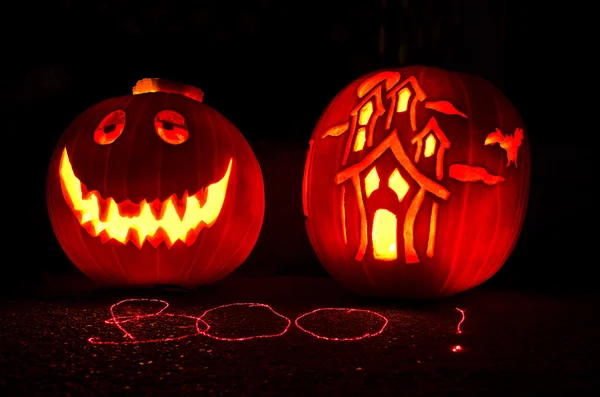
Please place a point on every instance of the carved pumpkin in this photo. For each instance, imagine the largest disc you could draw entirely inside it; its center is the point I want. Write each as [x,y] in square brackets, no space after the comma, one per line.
[416,183]
[155,188]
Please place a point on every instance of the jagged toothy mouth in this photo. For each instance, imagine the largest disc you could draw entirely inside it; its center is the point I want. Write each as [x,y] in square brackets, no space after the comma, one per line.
[174,219]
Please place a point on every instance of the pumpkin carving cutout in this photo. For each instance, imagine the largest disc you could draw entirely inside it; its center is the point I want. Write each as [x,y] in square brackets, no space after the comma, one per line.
[155,188]
[416,183]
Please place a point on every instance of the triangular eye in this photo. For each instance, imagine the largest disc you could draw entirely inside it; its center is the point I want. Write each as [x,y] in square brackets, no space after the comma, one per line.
[171,127]
[110,128]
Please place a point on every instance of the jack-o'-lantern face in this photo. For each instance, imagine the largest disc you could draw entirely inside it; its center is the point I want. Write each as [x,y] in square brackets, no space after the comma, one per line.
[147,178]
[180,217]
[404,173]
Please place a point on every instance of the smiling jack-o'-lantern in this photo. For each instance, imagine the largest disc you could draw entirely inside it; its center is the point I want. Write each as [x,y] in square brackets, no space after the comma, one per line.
[155,188]
[416,183]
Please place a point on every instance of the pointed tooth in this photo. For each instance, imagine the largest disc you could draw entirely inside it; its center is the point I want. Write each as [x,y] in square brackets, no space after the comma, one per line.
[202,196]
[129,209]
[159,237]
[104,237]
[166,239]
[90,228]
[156,207]
[85,194]
[180,204]
[153,240]
[192,234]
[103,205]
[133,237]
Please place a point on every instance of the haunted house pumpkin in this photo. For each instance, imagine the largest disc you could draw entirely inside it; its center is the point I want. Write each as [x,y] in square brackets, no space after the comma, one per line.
[416,183]
[155,188]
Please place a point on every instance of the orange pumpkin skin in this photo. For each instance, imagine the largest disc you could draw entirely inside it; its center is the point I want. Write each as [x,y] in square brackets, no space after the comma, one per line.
[392,214]
[139,166]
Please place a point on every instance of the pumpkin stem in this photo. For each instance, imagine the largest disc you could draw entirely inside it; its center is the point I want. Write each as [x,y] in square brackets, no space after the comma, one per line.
[161,85]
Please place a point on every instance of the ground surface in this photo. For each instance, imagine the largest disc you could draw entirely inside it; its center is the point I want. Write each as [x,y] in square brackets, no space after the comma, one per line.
[514,343]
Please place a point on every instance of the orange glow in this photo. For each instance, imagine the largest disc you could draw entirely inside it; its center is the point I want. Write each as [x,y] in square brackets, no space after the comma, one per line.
[398,184]
[145,86]
[467,173]
[430,144]
[371,181]
[403,97]
[432,126]
[392,142]
[430,141]
[362,243]
[432,229]
[445,107]
[343,214]
[405,199]
[365,113]
[110,128]
[507,142]
[394,96]
[361,139]
[336,130]
[384,236]
[409,227]
[169,221]
[389,78]
[360,112]
[171,127]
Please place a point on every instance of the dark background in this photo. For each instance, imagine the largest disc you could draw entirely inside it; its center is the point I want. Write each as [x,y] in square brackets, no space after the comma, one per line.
[271,67]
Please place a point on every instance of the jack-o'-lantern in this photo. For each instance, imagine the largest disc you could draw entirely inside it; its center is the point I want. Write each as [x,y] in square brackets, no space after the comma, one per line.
[416,183]
[155,188]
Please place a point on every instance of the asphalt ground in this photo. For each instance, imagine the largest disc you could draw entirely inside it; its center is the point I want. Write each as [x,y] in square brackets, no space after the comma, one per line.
[512,343]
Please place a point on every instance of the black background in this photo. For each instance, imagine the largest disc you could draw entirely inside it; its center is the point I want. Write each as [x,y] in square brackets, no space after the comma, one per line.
[271,67]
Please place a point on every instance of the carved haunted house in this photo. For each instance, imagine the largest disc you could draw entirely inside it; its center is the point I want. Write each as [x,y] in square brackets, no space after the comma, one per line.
[401,96]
